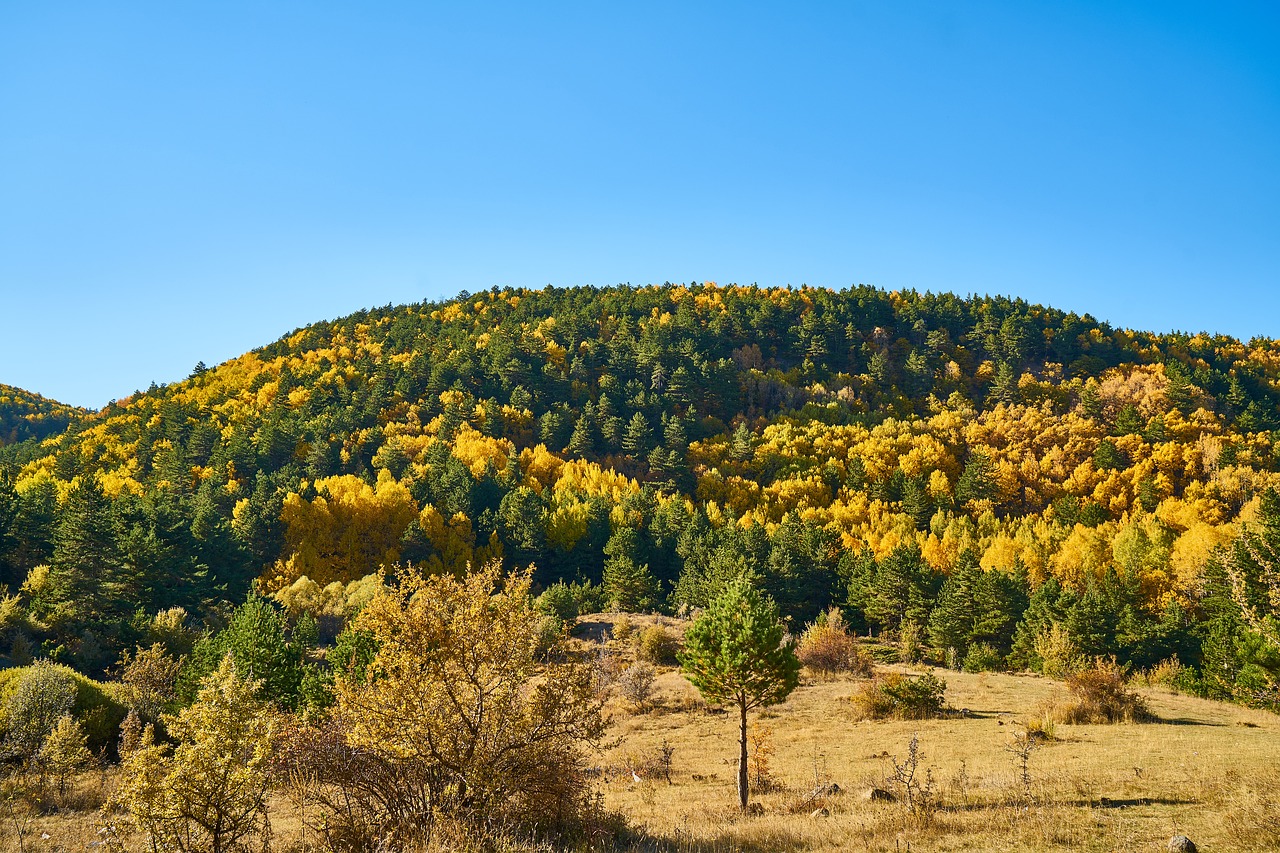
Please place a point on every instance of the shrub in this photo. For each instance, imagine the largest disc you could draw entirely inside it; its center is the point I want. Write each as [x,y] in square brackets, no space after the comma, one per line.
[901,697]
[208,793]
[982,657]
[549,632]
[558,600]
[472,724]
[44,694]
[169,627]
[827,647]
[589,598]
[1057,653]
[353,653]
[64,751]
[1099,695]
[623,627]
[657,645]
[1173,675]
[636,683]
[910,642]
[148,679]
[95,705]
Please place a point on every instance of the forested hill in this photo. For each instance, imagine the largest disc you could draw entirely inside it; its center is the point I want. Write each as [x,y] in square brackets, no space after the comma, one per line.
[890,453]
[25,416]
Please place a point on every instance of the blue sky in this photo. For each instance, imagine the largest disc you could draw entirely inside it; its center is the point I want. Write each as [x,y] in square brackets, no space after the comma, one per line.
[183,182]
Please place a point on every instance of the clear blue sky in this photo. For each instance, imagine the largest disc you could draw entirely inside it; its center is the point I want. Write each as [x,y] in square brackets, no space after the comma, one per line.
[183,182]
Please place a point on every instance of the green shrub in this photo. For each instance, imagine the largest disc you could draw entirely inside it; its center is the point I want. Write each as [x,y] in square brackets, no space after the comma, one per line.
[558,601]
[352,654]
[550,631]
[589,598]
[982,657]
[27,691]
[657,645]
[901,697]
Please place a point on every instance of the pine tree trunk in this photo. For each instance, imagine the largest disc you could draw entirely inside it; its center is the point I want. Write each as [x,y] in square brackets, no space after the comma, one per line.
[742,759]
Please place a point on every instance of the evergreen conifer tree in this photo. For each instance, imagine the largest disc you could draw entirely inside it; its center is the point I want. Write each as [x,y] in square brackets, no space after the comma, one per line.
[735,654]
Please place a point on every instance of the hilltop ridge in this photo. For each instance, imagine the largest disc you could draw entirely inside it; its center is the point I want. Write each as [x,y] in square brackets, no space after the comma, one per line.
[853,448]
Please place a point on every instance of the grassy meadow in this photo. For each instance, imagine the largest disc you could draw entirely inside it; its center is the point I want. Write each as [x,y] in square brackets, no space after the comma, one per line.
[1206,769]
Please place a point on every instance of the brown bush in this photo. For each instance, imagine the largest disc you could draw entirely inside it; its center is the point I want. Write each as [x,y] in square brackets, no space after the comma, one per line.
[1099,694]
[826,647]
[636,683]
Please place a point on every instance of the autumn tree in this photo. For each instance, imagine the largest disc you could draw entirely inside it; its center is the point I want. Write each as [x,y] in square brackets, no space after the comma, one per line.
[209,794]
[64,751]
[735,654]
[149,677]
[456,696]
[45,693]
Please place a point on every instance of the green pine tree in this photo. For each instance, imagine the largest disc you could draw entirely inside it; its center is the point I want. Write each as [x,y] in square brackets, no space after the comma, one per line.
[628,585]
[638,437]
[735,654]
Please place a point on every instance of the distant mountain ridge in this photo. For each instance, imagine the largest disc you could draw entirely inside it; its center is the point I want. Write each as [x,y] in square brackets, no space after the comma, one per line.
[26,415]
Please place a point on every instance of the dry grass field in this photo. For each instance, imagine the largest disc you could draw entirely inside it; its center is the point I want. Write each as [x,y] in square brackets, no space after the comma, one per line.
[1208,770]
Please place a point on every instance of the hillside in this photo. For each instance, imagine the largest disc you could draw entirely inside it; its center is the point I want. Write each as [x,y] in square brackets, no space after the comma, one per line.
[25,416]
[912,458]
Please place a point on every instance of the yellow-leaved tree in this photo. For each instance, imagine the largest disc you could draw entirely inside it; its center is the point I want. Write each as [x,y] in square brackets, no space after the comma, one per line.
[209,794]
[458,698]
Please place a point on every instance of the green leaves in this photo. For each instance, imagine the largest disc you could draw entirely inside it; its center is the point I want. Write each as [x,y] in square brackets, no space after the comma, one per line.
[735,650]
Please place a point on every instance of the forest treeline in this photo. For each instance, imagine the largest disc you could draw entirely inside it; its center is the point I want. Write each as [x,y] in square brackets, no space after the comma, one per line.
[25,416]
[990,480]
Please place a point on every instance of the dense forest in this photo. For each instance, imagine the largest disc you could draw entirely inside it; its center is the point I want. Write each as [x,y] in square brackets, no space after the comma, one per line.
[25,416]
[991,481]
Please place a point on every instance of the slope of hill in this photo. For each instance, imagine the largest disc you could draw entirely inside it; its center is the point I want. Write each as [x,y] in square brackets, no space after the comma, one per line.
[914,458]
[25,416]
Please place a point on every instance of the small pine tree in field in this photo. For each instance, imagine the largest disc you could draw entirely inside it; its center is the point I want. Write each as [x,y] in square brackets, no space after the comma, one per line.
[735,654]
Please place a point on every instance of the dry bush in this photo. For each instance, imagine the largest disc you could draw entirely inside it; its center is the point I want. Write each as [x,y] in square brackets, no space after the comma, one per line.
[606,667]
[649,764]
[353,799]
[826,647]
[462,703]
[900,697]
[1171,675]
[1041,727]
[623,628]
[762,750]
[911,785]
[1099,694]
[636,683]
[658,646]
